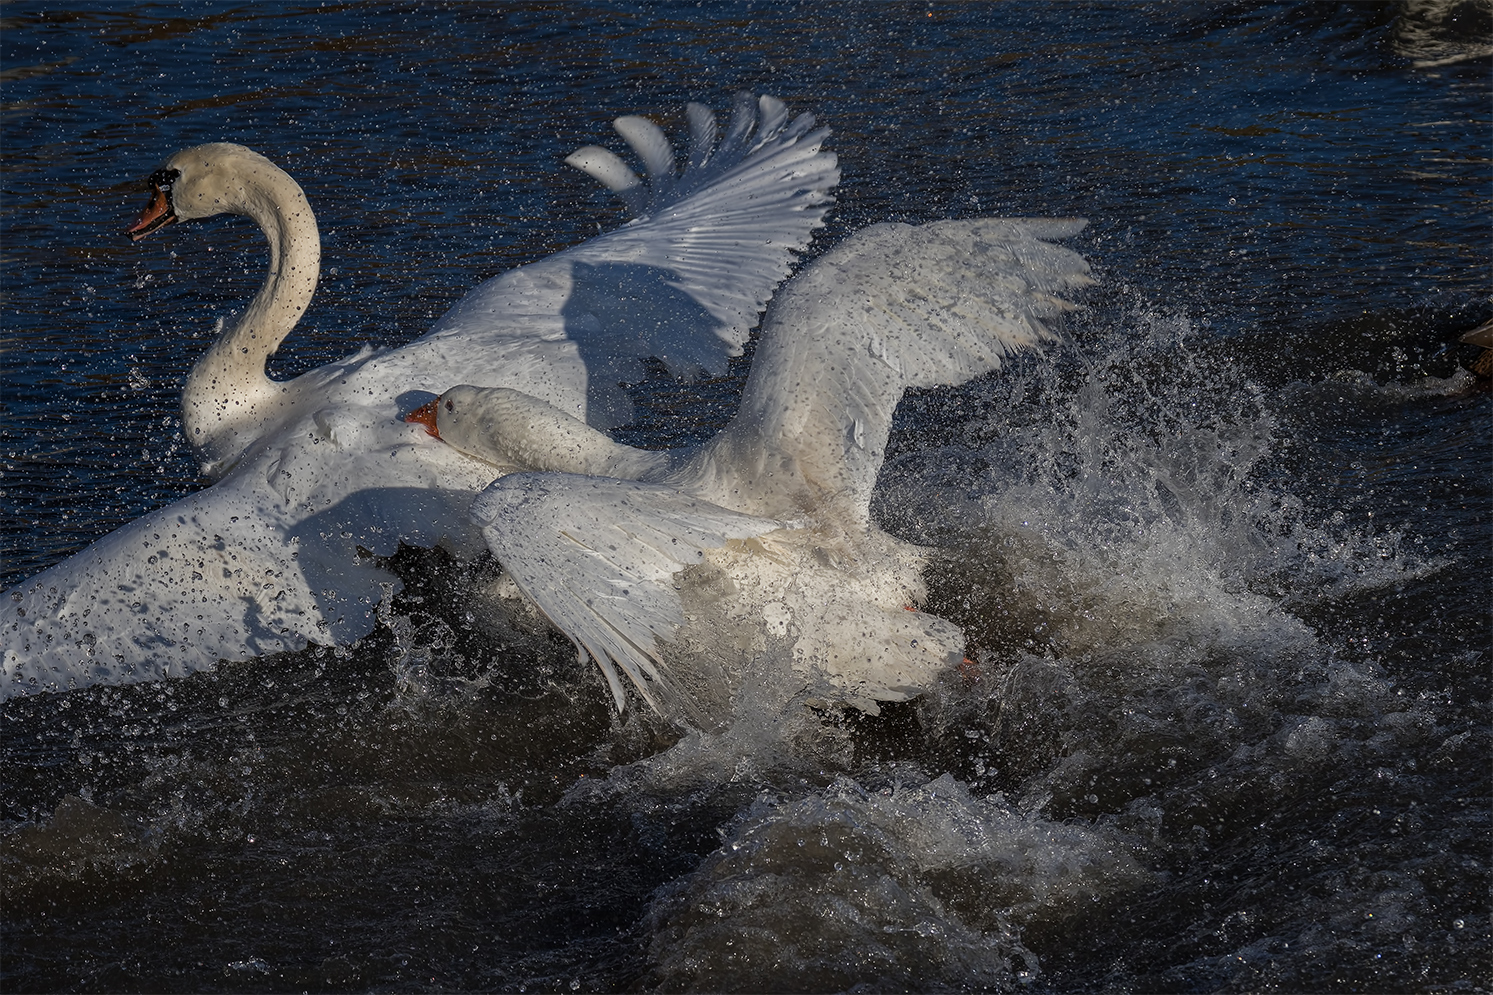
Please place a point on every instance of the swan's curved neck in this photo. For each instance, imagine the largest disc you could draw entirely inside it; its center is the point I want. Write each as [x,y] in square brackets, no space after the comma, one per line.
[229,401]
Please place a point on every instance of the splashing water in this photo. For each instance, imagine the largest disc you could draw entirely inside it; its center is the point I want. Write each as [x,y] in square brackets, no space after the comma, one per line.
[1221,559]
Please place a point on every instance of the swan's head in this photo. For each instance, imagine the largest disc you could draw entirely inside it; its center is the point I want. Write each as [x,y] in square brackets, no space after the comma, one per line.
[200,182]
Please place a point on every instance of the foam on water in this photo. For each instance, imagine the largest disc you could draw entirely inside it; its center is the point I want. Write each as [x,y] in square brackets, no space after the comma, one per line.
[911,885]
[1137,575]
[1137,567]
[1133,569]
[1229,729]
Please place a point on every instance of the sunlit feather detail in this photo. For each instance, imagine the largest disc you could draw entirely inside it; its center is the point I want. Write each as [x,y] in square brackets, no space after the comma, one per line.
[894,307]
[614,174]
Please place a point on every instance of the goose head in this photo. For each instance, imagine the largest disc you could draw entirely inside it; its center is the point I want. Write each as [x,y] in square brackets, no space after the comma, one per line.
[511,429]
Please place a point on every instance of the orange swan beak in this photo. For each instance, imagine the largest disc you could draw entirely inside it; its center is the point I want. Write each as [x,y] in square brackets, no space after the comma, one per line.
[157,214]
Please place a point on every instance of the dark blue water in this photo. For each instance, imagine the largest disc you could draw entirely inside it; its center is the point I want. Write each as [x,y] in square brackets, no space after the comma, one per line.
[1224,554]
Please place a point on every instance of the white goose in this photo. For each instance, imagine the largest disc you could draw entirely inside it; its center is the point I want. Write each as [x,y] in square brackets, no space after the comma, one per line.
[316,475]
[637,556]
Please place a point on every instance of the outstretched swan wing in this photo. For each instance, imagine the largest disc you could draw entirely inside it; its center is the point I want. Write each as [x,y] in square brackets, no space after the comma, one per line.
[275,554]
[279,553]
[893,307]
[597,555]
[683,283]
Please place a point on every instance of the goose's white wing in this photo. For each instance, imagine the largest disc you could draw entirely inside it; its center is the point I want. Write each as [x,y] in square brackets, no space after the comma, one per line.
[684,283]
[277,554]
[895,306]
[597,555]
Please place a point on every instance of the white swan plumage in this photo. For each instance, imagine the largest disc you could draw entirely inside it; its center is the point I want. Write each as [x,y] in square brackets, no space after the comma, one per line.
[317,476]
[763,535]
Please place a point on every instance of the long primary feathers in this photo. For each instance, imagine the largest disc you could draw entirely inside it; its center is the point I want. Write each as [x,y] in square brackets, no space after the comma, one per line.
[894,307]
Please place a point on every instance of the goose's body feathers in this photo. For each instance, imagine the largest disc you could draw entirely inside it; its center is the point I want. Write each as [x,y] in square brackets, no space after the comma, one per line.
[761,537]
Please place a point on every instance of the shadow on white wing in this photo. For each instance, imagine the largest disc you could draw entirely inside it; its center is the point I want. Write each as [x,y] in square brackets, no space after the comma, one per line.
[597,555]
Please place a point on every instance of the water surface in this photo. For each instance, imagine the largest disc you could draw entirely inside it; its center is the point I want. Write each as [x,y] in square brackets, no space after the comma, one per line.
[1223,555]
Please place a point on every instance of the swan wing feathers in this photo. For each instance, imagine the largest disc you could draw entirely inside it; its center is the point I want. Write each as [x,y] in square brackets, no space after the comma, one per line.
[597,555]
[686,280]
[895,306]
[279,553]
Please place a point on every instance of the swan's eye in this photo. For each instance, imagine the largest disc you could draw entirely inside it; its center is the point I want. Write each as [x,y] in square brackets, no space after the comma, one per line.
[163,178]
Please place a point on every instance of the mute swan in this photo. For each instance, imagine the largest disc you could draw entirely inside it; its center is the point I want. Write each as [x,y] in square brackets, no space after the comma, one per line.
[317,475]
[762,537]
